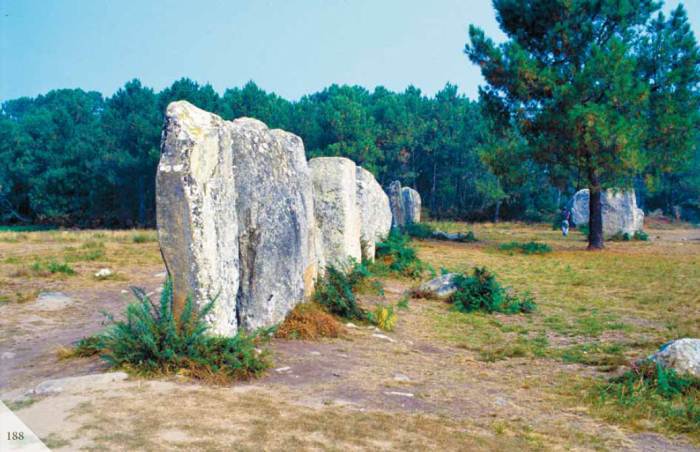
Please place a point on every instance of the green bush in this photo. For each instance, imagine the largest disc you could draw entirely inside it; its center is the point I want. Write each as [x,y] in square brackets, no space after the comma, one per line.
[641,236]
[482,292]
[397,253]
[150,340]
[626,237]
[335,290]
[526,248]
[419,230]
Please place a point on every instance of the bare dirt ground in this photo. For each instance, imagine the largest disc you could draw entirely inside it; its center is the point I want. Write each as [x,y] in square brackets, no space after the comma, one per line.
[414,388]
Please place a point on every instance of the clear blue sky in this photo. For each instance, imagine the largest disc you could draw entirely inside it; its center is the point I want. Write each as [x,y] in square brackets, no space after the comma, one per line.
[291,47]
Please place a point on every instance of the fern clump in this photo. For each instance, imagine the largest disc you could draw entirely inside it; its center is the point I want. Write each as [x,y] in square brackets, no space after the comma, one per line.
[335,290]
[150,340]
[482,292]
[397,253]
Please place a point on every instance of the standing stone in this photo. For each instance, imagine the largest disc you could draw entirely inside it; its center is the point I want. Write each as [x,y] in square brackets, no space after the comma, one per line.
[337,213]
[620,211]
[276,238]
[396,203]
[375,212]
[235,217]
[196,215]
[411,205]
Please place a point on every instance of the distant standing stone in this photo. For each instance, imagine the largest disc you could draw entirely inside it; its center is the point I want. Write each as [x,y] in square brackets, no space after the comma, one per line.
[620,211]
[336,207]
[411,205]
[375,212]
[396,202]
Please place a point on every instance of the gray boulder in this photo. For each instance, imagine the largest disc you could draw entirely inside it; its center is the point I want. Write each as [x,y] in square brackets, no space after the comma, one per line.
[441,287]
[682,355]
[411,205]
[620,212]
[375,212]
[396,204]
[336,207]
[235,217]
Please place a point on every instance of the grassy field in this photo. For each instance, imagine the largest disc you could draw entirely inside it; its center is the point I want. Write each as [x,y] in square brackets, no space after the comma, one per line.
[600,310]
[482,381]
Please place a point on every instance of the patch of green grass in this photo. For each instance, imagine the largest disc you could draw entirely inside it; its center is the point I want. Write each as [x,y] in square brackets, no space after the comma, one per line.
[91,250]
[652,396]
[403,302]
[15,405]
[607,357]
[144,237]
[51,267]
[526,248]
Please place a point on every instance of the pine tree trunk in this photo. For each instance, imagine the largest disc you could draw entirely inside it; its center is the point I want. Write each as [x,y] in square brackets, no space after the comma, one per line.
[595,211]
[497,213]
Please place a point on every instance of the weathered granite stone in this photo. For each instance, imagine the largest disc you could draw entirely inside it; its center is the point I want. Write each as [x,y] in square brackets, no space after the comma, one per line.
[682,355]
[441,287]
[276,225]
[620,212]
[337,212]
[375,212]
[396,204]
[411,202]
[196,215]
[235,217]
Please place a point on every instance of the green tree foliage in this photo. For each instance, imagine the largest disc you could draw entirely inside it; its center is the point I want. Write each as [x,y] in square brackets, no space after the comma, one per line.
[73,158]
[590,87]
[669,59]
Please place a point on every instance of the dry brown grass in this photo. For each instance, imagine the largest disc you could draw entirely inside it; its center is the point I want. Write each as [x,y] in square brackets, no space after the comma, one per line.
[309,321]
[24,258]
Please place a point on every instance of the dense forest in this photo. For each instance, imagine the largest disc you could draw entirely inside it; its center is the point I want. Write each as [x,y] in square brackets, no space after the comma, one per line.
[76,158]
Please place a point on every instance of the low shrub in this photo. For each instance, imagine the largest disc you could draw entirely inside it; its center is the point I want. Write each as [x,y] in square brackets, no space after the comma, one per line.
[526,247]
[400,257]
[335,290]
[309,321]
[482,292]
[403,303]
[419,230]
[641,236]
[626,237]
[151,341]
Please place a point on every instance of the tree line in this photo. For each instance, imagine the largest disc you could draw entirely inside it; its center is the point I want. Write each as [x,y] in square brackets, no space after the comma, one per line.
[593,85]
[76,158]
